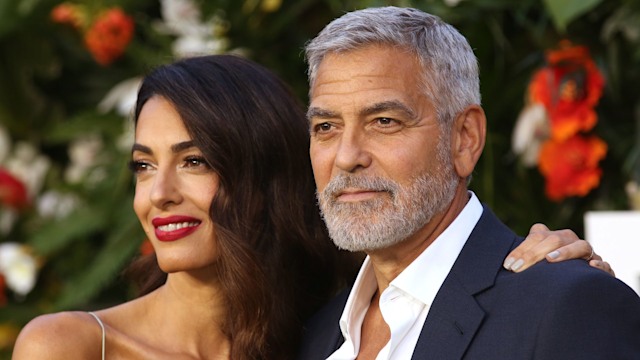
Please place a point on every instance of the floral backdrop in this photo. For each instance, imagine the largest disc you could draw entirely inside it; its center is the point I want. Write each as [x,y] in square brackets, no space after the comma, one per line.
[559,84]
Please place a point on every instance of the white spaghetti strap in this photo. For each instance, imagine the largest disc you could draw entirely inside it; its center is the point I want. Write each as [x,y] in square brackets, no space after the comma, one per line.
[103,332]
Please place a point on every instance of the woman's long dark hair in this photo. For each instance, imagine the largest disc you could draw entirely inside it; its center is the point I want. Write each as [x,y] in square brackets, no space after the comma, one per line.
[276,262]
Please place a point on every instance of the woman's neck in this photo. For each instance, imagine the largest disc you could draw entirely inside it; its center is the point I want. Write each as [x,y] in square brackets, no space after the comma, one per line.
[190,313]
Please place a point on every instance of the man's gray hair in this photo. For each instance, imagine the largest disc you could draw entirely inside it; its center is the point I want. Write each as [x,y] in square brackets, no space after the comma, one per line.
[450,77]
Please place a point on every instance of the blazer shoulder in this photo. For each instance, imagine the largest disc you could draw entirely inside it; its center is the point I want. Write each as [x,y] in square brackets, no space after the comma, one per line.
[63,335]
[596,315]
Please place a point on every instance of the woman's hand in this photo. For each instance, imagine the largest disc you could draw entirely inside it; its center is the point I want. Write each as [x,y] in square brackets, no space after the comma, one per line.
[554,246]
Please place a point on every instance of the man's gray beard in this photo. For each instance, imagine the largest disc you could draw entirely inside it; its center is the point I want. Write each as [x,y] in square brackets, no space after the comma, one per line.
[385,221]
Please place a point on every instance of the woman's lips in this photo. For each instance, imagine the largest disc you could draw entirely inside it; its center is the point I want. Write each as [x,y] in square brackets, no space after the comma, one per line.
[174,227]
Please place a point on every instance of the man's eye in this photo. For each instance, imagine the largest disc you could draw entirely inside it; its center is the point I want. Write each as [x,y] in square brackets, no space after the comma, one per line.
[385,121]
[322,127]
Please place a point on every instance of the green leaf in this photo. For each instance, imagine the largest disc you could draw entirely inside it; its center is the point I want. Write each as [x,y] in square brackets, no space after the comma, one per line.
[85,123]
[120,247]
[8,16]
[564,11]
[55,236]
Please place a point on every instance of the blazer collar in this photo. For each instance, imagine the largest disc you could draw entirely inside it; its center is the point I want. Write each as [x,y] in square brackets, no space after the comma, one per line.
[455,316]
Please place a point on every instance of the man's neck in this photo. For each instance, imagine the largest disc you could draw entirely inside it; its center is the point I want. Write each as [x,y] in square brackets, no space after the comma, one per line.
[389,262]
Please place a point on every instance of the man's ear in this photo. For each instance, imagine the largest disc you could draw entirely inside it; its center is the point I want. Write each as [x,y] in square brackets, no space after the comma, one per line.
[468,138]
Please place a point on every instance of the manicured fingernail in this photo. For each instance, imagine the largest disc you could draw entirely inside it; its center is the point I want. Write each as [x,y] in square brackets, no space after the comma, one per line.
[508,262]
[517,265]
[554,254]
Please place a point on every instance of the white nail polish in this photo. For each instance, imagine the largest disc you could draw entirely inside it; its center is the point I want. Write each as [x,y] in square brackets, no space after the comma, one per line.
[517,265]
[508,262]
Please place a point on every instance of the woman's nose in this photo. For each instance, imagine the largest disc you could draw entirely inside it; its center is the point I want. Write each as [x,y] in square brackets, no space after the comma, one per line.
[165,190]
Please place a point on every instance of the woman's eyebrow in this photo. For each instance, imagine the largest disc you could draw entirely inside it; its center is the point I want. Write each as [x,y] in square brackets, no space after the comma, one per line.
[141,148]
[176,148]
[181,146]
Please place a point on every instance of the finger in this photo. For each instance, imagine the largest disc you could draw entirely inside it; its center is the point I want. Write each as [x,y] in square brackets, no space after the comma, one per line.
[579,249]
[602,265]
[538,227]
[537,233]
[537,252]
[542,243]
[515,259]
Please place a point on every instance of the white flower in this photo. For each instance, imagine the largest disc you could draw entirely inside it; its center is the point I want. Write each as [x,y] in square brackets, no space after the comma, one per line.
[29,166]
[189,45]
[5,143]
[194,36]
[55,205]
[122,97]
[633,192]
[18,266]
[532,128]
[180,16]
[83,153]
[8,218]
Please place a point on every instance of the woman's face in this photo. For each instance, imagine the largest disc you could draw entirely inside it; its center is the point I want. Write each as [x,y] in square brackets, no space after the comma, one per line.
[174,189]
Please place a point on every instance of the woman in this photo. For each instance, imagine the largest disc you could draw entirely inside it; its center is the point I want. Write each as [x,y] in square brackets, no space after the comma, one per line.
[225,193]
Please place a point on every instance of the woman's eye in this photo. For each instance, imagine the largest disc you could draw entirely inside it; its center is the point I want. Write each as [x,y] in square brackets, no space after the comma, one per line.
[196,161]
[137,166]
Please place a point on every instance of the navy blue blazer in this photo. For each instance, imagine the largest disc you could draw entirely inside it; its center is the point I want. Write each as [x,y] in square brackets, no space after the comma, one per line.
[565,310]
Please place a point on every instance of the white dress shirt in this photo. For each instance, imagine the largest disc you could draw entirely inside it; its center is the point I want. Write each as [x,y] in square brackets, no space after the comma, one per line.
[405,303]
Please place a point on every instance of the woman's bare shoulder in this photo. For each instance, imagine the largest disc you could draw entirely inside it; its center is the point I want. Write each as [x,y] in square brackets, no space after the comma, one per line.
[63,335]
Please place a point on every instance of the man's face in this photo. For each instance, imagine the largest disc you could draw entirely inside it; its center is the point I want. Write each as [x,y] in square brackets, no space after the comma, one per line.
[381,163]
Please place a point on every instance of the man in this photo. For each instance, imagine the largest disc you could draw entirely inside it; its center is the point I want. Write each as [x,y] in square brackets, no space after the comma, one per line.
[396,130]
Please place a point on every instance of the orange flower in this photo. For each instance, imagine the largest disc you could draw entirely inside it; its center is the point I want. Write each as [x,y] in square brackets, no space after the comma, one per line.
[109,36]
[69,14]
[569,87]
[12,191]
[570,167]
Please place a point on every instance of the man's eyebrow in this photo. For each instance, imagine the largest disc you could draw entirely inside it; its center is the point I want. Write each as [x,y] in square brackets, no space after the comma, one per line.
[391,105]
[175,148]
[316,112]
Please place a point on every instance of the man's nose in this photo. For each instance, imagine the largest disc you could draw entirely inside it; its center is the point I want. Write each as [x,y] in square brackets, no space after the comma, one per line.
[353,153]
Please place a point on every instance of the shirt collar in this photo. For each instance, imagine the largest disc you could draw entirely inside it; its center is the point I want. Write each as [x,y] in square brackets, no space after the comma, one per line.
[424,276]
[428,270]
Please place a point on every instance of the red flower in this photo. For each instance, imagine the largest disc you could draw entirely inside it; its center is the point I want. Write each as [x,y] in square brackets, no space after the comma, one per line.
[569,87]
[12,191]
[570,167]
[69,14]
[146,247]
[3,294]
[109,36]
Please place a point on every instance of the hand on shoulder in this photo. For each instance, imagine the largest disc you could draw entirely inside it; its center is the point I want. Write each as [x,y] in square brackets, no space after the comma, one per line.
[64,335]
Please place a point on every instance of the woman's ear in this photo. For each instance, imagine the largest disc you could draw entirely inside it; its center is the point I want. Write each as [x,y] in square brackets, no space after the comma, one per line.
[469,133]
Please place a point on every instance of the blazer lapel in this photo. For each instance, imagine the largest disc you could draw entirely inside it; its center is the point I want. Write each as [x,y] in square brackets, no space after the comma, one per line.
[455,316]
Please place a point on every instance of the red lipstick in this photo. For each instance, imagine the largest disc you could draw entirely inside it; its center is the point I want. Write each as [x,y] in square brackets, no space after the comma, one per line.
[175,227]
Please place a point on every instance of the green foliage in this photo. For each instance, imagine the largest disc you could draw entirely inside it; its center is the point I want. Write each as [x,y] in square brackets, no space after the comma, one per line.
[50,88]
